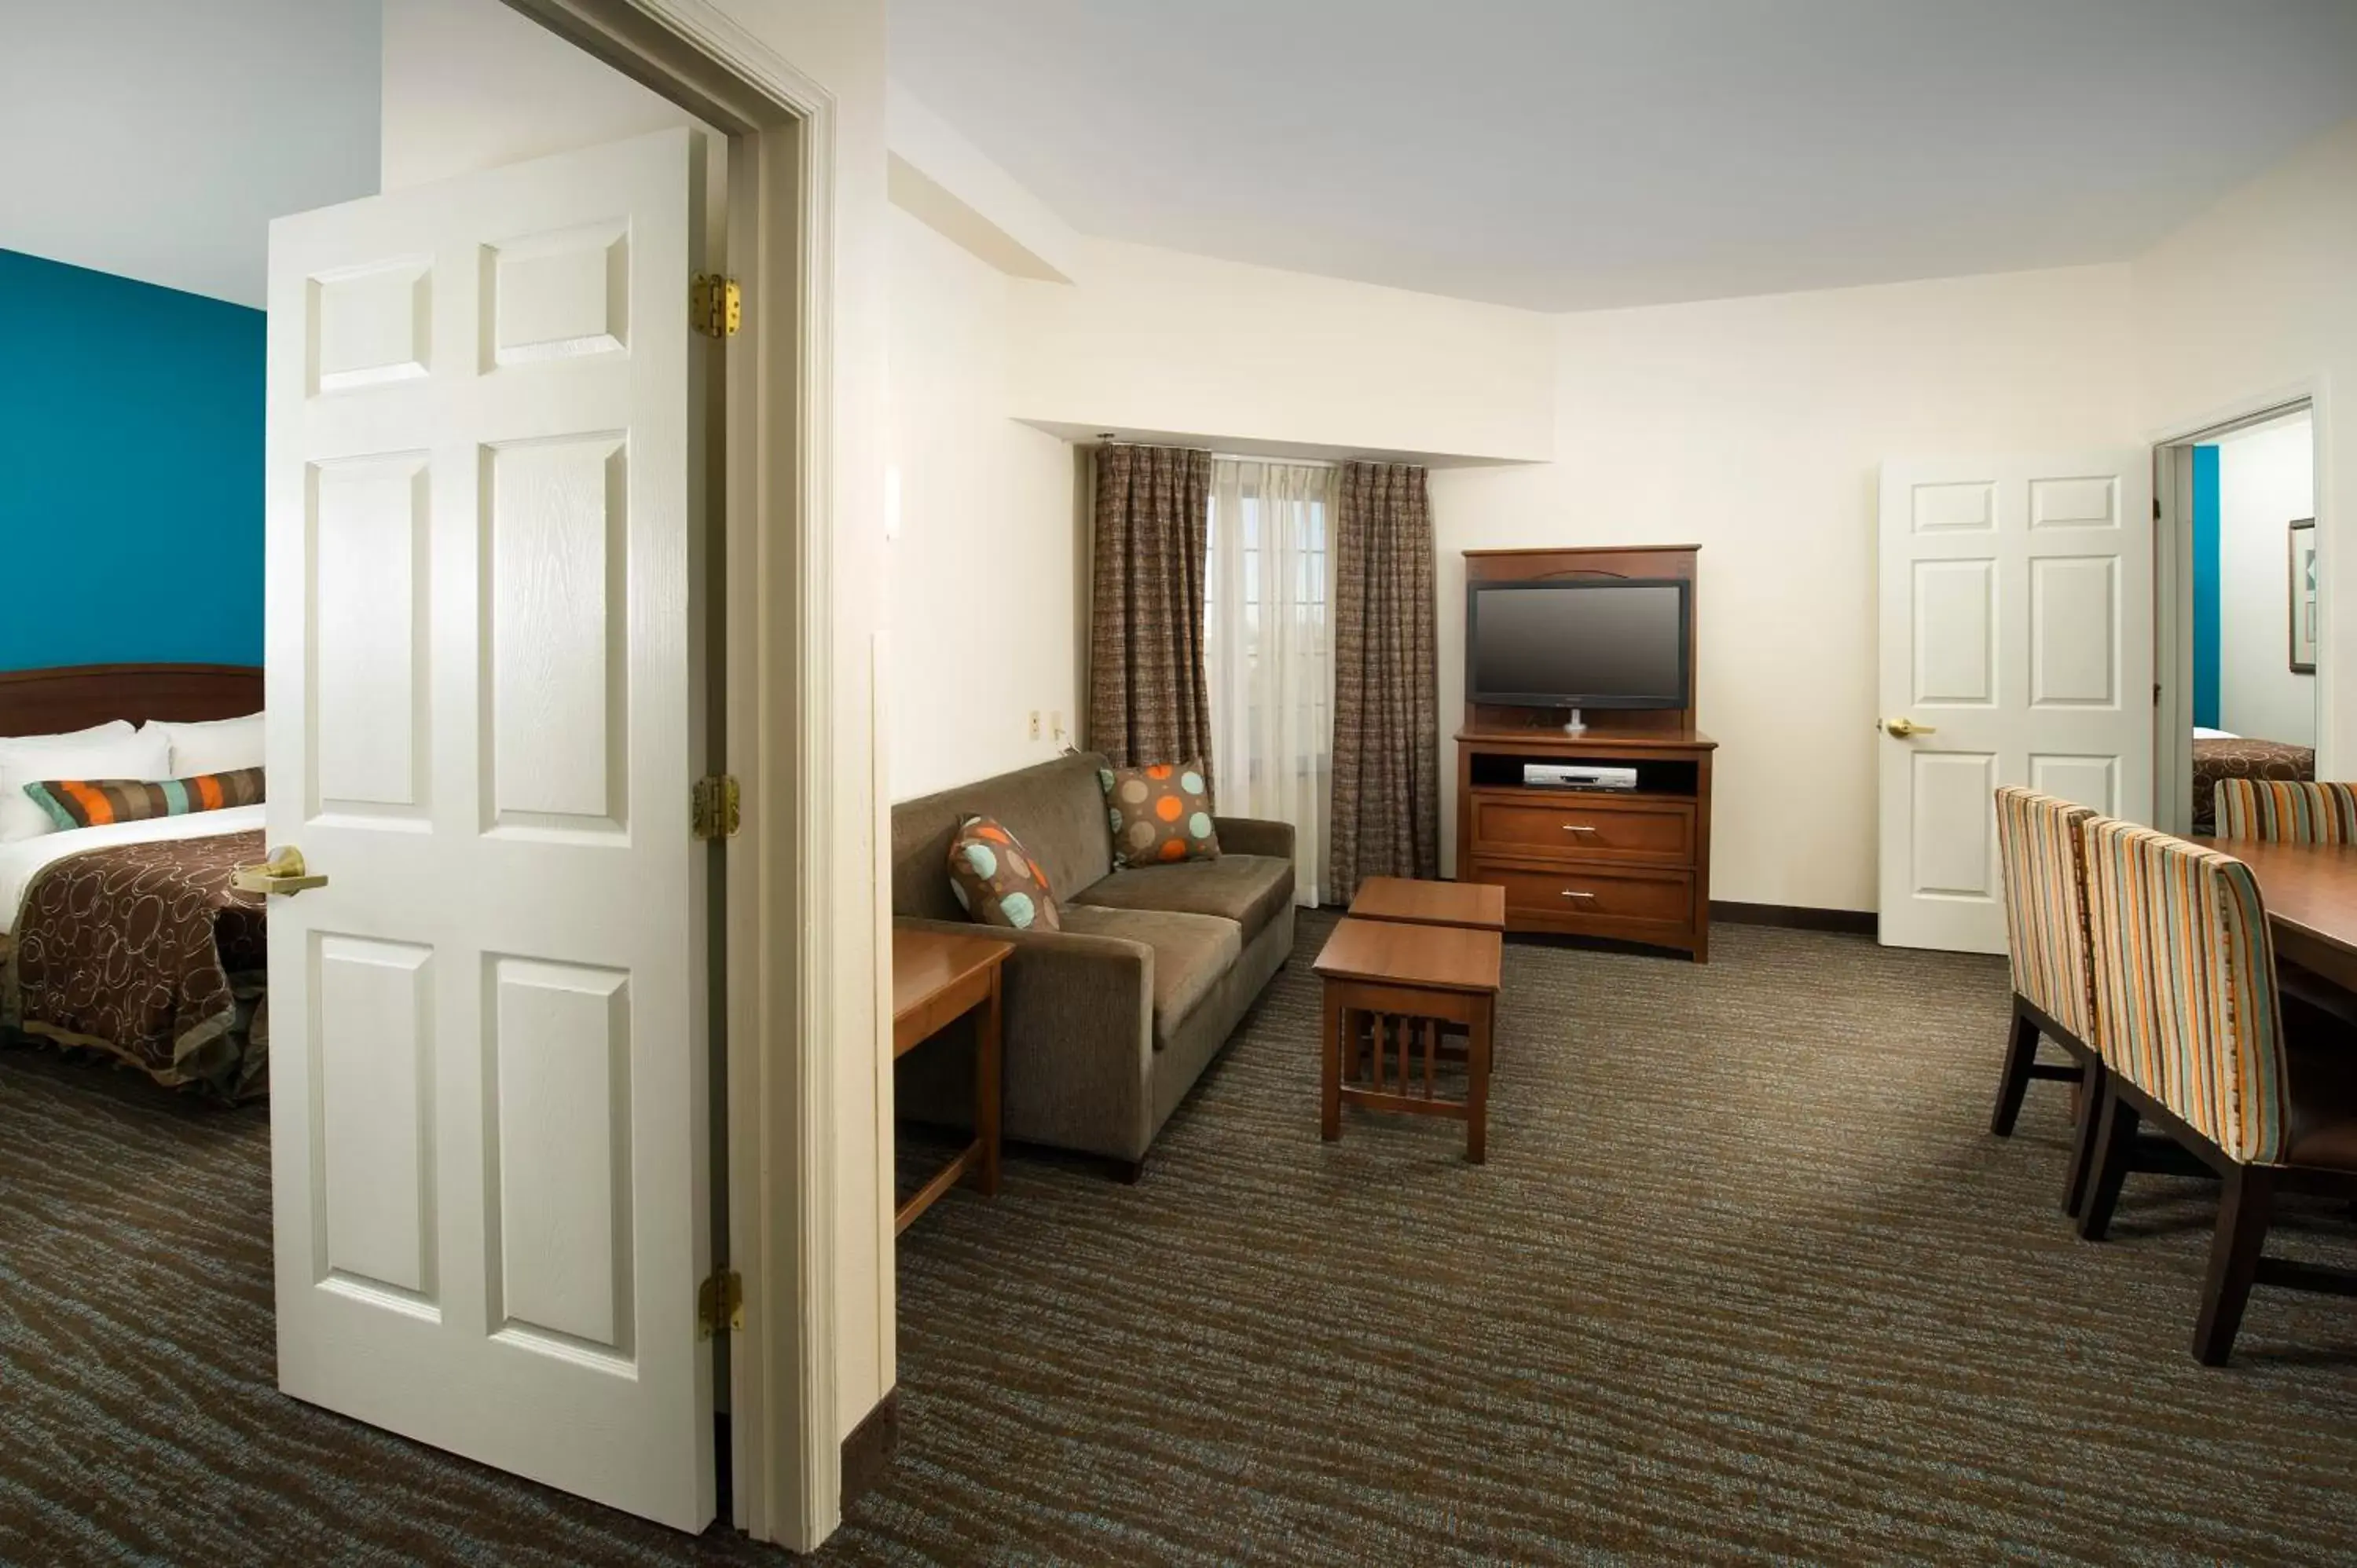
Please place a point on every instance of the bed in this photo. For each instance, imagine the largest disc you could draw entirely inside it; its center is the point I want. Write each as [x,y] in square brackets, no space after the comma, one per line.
[127,940]
[2220,754]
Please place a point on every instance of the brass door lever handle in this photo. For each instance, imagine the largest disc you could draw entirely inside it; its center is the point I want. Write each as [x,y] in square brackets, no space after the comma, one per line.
[283,873]
[1902,728]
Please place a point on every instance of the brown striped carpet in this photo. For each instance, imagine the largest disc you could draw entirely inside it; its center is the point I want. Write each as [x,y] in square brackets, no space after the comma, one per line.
[1745,1279]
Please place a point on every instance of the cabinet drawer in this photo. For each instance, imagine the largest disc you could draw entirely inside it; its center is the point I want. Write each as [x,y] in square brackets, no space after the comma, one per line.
[1660,897]
[1575,830]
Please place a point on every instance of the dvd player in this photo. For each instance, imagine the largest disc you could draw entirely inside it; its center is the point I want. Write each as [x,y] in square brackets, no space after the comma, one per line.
[1576,775]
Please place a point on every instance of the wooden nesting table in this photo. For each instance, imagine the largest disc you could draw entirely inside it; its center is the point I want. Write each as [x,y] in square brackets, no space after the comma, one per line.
[1395,984]
[938,977]
[1480,904]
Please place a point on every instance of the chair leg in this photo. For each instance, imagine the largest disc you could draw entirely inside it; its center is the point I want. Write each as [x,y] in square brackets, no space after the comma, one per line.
[2078,1178]
[2020,1051]
[2116,1131]
[2243,1214]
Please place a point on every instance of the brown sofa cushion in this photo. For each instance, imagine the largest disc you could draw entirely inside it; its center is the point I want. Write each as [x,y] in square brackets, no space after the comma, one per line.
[1190,954]
[1056,808]
[1247,888]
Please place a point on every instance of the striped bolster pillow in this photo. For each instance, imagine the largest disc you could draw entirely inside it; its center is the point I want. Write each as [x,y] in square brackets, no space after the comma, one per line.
[89,803]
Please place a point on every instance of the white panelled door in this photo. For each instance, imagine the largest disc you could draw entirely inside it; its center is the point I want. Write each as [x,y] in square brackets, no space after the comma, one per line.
[2017,649]
[489,1114]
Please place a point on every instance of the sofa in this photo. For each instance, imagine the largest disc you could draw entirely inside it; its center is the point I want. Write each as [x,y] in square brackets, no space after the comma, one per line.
[1106,1024]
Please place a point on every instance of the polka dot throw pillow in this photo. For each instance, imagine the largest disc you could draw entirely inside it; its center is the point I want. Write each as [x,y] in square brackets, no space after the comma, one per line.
[1159,813]
[995,882]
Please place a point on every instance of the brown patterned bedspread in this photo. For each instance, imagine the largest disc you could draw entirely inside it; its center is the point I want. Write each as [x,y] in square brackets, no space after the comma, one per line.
[2243,758]
[146,952]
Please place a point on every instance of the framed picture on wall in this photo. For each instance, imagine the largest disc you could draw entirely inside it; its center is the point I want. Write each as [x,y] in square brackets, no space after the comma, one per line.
[2303,596]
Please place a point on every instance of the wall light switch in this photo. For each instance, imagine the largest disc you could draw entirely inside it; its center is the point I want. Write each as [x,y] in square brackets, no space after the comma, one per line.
[1034,724]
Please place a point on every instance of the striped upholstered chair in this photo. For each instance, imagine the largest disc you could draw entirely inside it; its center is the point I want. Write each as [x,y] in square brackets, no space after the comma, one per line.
[2290,813]
[2191,1028]
[2039,843]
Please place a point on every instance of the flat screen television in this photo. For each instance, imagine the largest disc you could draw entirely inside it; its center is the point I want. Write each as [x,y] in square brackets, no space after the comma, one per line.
[1590,643]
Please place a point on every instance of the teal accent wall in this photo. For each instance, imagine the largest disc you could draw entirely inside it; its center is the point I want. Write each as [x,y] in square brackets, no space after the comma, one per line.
[2207,616]
[131,423]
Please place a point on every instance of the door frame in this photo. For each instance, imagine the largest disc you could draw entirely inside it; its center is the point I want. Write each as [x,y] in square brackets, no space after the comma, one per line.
[776,595]
[2172,589]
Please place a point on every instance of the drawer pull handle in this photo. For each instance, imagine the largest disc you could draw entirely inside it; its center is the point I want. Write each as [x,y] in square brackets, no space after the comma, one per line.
[1578,828]
[1569,894]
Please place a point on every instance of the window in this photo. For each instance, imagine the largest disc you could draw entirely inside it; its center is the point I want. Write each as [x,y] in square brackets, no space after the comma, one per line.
[1268,640]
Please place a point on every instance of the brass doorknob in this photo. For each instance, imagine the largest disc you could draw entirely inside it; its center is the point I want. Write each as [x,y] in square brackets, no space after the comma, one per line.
[1901,728]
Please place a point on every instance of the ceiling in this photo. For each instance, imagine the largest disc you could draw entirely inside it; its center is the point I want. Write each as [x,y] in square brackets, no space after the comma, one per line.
[155,139]
[1566,155]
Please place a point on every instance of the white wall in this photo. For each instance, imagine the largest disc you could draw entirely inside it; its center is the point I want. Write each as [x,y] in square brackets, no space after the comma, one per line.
[2248,305]
[155,139]
[1754,427]
[1151,340]
[839,45]
[981,577]
[950,185]
[2265,478]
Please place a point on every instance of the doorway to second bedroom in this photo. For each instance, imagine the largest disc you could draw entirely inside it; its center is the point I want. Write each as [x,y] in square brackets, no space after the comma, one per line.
[2257,616]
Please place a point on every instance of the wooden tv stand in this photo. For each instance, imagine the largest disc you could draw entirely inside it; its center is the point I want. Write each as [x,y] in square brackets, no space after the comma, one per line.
[1591,863]
[1631,866]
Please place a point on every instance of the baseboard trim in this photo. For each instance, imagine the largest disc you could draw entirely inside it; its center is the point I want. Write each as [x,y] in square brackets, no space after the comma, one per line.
[1849,922]
[867,1452]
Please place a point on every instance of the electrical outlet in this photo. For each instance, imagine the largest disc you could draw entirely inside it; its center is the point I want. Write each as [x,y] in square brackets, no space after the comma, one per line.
[1034,724]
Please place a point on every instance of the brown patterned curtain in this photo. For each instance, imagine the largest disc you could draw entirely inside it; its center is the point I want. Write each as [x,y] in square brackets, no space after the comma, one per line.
[1386,680]
[1149,699]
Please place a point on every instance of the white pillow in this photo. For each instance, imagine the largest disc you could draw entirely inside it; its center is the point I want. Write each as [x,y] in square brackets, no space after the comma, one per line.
[129,755]
[215,745]
[75,737]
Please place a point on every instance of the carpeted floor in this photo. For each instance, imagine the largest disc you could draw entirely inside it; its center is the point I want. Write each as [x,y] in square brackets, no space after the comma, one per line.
[1745,1279]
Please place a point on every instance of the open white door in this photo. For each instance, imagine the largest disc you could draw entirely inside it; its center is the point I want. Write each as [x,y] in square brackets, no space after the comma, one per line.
[489,1118]
[2017,649]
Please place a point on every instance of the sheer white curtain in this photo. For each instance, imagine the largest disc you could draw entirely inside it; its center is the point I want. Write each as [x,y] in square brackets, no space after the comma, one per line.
[1270,653]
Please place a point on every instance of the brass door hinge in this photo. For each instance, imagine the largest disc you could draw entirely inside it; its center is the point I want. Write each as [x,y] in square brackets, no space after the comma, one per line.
[716,307]
[719,1303]
[717,807]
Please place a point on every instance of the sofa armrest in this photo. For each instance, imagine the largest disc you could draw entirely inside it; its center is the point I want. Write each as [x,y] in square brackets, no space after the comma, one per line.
[1253,835]
[1077,1038]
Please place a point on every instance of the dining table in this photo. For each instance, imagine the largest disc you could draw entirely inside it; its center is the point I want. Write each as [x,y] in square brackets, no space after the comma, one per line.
[2310,892]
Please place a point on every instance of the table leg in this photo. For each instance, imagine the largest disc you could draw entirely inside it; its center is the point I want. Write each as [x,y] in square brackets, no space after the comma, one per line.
[1477,1087]
[987,1081]
[1330,1068]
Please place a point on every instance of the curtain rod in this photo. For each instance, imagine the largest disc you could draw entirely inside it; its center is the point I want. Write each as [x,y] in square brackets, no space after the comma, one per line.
[1288,462]
[1109,439]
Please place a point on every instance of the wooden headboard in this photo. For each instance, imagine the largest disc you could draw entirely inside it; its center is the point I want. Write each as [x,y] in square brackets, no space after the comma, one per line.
[52,702]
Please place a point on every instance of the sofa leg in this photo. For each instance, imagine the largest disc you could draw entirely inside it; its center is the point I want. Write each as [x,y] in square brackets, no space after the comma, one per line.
[1130,1171]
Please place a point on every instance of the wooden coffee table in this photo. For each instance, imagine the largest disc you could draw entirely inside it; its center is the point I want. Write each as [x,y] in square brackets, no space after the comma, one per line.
[1402,982]
[938,977]
[1480,904]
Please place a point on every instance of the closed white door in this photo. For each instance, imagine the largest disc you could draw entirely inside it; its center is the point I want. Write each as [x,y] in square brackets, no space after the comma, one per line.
[489,1110]
[2016,648]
